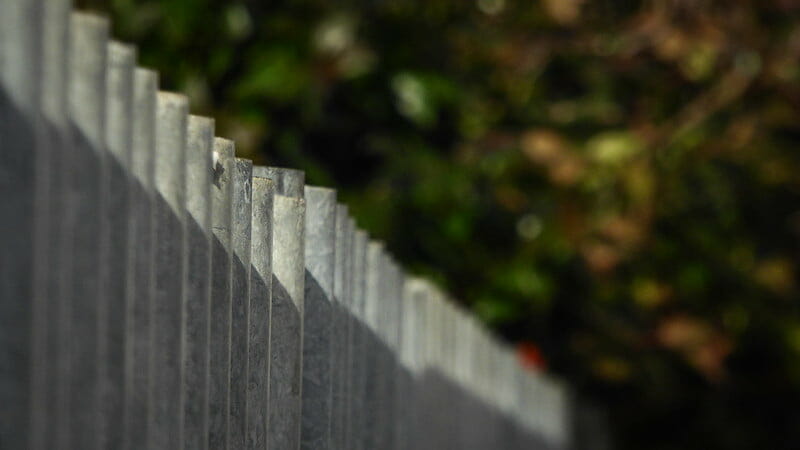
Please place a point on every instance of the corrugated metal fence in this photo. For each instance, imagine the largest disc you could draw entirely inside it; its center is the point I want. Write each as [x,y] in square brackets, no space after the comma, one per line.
[156,292]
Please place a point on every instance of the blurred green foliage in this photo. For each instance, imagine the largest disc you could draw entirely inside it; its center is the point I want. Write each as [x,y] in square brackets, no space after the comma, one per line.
[614,181]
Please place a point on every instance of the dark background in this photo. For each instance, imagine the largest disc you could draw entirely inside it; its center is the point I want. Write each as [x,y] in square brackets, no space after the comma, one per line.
[612,185]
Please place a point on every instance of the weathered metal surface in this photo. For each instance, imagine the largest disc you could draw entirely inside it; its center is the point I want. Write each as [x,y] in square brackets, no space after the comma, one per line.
[288,182]
[240,301]
[115,263]
[339,329]
[199,149]
[142,247]
[320,251]
[222,191]
[375,350]
[286,344]
[356,416]
[168,319]
[351,330]
[85,220]
[260,312]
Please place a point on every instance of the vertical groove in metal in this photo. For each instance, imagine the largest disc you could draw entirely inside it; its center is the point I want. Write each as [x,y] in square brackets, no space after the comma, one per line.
[115,264]
[320,259]
[225,181]
[168,320]
[199,149]
[287,310]
[260,312]
[240,306]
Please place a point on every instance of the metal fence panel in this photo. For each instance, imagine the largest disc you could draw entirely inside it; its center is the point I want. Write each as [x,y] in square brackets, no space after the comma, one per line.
[158,292]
